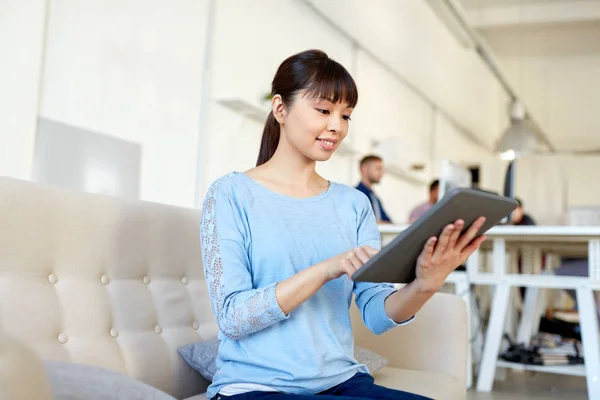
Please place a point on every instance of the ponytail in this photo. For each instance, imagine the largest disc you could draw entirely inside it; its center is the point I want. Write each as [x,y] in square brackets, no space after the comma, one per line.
[270,140]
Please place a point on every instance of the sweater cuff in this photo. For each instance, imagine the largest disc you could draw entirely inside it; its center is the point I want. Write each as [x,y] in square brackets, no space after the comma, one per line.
[273,307]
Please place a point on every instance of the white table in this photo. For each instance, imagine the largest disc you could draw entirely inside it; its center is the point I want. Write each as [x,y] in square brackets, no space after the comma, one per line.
[554,238]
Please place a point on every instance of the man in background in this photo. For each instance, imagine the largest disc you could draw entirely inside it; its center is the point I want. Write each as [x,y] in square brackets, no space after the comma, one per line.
[371,172]
[418,211]
[519,217]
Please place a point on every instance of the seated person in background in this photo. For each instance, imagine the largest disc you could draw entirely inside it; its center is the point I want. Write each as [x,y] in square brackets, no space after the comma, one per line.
[371,172]
[519,217]
[434,190]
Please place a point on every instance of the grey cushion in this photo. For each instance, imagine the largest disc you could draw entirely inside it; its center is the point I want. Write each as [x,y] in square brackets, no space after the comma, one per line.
[373,361]
[82,382]
[202,356]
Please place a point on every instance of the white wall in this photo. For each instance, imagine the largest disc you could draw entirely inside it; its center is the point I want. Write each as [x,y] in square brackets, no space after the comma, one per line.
[21,40]
[541,182]
[392,115]
[132,69]
[450,144]
[582,180]
[549,184]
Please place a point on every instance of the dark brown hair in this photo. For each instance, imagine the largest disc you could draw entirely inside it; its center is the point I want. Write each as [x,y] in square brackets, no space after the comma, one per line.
[369,158]
[320,76]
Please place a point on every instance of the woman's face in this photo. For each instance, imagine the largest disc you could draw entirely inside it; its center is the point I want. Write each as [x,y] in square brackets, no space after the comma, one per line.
[315,127]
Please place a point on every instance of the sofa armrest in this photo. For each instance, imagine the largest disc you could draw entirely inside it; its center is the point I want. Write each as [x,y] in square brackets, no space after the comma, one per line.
[436,340]
[22,373]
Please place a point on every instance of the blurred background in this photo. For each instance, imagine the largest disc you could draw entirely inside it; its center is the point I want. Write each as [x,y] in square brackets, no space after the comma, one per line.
[153,100]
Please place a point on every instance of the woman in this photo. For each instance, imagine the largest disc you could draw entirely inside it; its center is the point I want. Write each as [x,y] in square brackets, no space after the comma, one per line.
[280,242]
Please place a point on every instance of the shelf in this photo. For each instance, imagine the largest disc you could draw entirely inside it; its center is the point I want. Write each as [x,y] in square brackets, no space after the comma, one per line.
[536,281]
[401,173]
[246,108]
[575,370]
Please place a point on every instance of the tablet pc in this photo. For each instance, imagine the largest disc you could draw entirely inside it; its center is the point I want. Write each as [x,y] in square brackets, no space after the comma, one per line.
[396,262]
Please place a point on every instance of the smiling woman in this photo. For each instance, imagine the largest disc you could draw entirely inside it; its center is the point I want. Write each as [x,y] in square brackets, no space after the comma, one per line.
[280,242]
[310,82]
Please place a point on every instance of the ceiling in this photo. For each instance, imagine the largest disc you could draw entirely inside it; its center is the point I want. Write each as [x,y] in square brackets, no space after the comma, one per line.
[549,51]
[486,3]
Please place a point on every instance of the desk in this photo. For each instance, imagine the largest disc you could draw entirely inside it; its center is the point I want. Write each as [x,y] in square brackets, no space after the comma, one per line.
[552,238]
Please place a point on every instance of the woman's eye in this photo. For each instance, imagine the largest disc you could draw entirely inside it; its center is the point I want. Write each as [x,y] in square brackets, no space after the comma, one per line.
[322,111]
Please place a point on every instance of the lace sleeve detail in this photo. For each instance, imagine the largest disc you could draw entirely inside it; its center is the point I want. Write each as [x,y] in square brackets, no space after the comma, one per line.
[238,308]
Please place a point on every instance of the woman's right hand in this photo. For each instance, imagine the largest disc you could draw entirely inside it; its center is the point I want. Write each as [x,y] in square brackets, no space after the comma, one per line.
[348,262]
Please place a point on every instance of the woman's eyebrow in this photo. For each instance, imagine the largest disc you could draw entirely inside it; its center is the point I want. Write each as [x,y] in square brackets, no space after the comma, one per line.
[324,99]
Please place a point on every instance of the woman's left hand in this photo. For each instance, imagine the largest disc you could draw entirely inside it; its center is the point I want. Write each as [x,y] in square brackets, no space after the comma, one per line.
[442,256]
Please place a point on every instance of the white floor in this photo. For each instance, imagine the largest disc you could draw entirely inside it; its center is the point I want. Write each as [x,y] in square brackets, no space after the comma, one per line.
[535,386]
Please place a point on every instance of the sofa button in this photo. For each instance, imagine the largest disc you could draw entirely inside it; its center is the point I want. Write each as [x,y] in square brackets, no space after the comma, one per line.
[158,329]
[104,279]
[195,325]
[63,338]
[114,333]
[53,279]
[184,280]
[146,280]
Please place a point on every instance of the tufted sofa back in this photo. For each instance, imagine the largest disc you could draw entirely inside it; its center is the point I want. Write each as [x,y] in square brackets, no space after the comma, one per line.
[102,281]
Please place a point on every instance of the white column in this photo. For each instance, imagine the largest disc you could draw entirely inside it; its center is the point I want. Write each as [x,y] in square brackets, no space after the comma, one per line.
[499,257]
[462,288]
[589,339]
[493,338]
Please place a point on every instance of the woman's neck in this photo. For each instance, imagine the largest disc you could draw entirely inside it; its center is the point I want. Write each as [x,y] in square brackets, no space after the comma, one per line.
[290,172]
[287,165]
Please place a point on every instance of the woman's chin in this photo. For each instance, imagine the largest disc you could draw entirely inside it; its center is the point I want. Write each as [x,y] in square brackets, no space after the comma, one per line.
[319,154]
[322,156]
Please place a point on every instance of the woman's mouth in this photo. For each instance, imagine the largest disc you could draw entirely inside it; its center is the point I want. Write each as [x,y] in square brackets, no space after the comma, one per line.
[327,145]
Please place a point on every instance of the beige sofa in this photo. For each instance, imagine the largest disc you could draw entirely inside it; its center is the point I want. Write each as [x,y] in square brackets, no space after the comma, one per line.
[95,280]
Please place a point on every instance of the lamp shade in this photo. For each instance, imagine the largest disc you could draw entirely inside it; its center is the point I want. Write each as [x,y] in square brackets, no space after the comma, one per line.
[519,138]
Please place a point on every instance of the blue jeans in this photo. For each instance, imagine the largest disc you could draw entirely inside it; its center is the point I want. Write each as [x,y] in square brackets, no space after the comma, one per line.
[359,387]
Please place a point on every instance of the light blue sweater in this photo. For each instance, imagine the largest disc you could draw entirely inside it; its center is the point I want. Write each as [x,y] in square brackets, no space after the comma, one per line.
[253,238]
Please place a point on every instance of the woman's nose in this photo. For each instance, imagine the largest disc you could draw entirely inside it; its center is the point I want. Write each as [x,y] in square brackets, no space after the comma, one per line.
[334,124]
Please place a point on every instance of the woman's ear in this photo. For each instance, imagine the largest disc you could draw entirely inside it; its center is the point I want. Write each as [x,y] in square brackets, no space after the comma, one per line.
[279,109]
